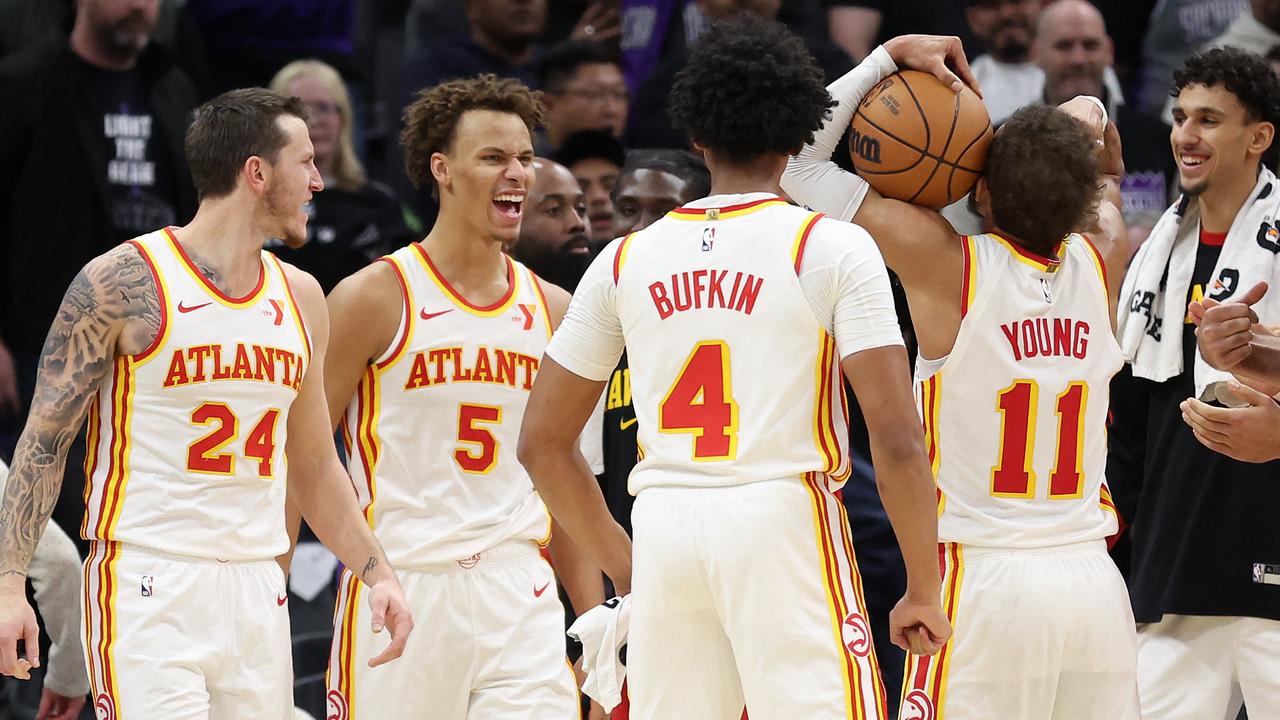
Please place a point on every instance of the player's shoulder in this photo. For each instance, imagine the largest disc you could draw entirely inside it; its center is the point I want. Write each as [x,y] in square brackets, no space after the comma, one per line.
[374,287]
[834,239]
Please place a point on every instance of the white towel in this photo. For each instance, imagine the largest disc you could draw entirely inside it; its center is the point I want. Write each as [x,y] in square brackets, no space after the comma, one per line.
[1153,298]
[602,630]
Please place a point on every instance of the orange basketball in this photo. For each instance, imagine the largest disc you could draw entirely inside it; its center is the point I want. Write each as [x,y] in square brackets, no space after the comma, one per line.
[915,140]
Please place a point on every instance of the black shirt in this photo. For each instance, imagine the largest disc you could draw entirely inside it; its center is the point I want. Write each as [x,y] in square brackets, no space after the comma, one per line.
[138,173]
[1200,521]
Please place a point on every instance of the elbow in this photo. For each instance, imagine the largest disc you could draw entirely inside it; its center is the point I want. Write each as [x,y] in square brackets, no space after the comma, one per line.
[894,455]
[529,450]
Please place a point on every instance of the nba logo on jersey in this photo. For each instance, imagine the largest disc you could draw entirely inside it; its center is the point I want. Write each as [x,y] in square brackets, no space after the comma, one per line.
[708,239]
[146,585]
[1044,287]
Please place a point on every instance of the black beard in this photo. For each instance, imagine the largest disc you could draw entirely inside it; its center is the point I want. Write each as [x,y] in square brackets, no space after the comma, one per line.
[558,268]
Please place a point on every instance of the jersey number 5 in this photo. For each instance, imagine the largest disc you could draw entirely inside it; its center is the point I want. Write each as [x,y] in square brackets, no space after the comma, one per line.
[1012,476]
[700,402]
[471,431]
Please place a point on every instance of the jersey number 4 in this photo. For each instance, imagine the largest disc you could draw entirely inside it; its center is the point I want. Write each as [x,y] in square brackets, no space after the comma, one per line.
[700,402]
[205,455]
[1013,477]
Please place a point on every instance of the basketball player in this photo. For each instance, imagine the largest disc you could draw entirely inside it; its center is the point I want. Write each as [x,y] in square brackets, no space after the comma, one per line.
[738,310]
[651,184]
[198,359]
[435,349]
[1016,354]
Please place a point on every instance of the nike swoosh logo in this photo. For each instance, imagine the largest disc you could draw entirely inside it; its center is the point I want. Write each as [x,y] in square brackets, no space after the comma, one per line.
[186,309]
[281,600]
[537,592]
[427,316]
[624,424]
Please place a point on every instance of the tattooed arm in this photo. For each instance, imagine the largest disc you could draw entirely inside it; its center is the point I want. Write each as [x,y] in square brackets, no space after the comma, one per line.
[111,307]
[320,488]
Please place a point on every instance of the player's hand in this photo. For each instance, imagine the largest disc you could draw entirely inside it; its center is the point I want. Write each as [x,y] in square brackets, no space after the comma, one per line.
[58,707]
[1086,111]
[17,622]
[919,626]
[1248,434]
[937,55]
[1226,329]
[390,609]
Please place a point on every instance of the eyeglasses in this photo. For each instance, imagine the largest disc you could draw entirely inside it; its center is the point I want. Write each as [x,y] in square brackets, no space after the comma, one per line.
[599,93]
[322,107]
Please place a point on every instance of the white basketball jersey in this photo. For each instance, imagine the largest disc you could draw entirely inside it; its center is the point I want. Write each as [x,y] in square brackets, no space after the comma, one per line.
[186,439]
[431,433]
[1015,416]
[734,380]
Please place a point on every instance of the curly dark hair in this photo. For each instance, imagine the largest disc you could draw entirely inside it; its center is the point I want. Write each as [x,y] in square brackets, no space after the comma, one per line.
[750,88]
[430,121]
[1042,172]
[1243,74]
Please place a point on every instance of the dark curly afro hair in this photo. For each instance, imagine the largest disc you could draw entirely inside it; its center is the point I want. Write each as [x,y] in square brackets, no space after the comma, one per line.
[1243,74]
[432,118]
[1043,175]
[751,88]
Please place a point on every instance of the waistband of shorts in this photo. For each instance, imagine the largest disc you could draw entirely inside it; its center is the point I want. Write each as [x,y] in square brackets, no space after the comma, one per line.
[130,550]
[507,553]
[978,552]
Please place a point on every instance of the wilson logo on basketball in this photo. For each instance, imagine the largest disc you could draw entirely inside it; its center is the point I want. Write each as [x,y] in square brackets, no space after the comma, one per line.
[867,148]
[104,708]
[335,706]
[917,706]
[856,635]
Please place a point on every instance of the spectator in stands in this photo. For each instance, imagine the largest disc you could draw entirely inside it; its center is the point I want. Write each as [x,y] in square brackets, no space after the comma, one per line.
[91,155]
[1176,29]
[595,158]
[1073,50]
[55,577]
[1205,549]
[582,89]
[1256,29]
[501,39]
[1008,78]
[354,221]
[553,239]
[858,26]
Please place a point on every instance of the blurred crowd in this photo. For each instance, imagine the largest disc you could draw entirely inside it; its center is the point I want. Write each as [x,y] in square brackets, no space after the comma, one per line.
[95,96]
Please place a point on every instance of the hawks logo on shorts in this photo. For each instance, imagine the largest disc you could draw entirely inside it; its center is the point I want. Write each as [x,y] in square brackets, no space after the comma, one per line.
[856,634]
[917,706]
[335,706]
[104,708]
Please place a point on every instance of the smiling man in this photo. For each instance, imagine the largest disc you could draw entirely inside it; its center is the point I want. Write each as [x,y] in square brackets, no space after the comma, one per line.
[553,238]
[435,348]
[197,359]
[1205,553]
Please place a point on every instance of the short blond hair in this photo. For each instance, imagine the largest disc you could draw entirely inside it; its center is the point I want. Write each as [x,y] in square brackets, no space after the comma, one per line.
[348,171]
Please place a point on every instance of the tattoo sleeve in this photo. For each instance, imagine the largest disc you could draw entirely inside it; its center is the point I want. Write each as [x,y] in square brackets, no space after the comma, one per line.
[112,298]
